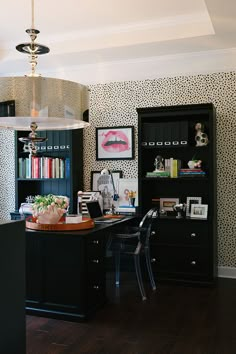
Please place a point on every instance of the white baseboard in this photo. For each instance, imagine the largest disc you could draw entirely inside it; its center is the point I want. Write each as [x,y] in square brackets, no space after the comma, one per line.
[226,272]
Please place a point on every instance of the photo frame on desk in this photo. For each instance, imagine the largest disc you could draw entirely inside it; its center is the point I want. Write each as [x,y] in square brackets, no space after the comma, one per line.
[189,202]
[125,186]
[103,184]
[166,204]
[115,143]
[199,211]
[95,175]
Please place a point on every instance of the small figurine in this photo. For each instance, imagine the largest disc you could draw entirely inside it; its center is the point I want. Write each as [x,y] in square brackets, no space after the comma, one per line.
[201,138]
[158,164]
[195,164]
[179,208]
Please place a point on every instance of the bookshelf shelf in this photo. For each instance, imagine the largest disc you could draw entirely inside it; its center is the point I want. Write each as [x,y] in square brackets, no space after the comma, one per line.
[65,146]
[185,249]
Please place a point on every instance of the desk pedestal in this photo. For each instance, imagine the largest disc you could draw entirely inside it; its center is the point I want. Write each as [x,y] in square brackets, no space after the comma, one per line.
[65,274]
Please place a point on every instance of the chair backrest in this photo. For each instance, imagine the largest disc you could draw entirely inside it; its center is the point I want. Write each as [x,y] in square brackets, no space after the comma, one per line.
[145,225]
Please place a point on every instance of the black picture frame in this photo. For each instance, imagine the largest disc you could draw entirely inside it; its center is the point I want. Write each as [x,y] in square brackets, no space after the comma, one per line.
[99,183]
[96,174]
[115,143]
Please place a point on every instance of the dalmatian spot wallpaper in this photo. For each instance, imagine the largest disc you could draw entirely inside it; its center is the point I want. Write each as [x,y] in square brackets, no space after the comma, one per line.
[7,174]
[115,104]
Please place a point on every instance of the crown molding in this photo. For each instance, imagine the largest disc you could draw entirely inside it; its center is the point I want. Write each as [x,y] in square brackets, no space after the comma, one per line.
[151,68]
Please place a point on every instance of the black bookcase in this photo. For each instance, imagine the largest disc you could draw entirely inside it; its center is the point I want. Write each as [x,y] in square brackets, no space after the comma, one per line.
[184,249]
[61,145]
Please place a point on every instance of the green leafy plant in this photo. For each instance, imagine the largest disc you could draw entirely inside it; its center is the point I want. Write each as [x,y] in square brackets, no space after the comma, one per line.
[50,202]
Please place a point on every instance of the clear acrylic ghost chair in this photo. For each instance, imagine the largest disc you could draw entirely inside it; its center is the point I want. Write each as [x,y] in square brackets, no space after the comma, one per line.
[135,242]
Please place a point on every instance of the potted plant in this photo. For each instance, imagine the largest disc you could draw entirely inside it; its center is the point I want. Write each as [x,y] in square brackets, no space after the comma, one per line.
[48,209]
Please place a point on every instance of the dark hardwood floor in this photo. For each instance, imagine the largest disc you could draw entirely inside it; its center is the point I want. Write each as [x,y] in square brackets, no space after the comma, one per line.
[174,320]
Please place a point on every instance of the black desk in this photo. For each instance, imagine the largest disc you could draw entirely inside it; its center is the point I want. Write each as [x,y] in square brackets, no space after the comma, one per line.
[65,271]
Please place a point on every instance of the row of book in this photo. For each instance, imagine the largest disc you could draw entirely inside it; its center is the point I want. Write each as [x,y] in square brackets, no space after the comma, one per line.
[43,167]
[164,134]
[172,169]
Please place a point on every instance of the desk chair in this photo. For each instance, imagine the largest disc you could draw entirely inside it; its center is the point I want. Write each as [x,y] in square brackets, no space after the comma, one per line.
[135,241]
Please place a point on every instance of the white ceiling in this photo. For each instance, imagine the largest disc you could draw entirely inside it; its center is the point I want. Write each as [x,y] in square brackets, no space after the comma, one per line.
[104,38]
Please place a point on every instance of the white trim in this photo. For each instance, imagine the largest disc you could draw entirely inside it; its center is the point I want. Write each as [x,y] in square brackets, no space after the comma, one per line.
[149,68]
[226,272]
[187,64]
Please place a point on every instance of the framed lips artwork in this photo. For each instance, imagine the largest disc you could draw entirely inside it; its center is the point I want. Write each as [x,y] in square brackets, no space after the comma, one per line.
[115,143]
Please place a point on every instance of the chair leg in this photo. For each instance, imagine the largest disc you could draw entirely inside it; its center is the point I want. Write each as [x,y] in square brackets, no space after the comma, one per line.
[117,267]
[149,267]
[139,276]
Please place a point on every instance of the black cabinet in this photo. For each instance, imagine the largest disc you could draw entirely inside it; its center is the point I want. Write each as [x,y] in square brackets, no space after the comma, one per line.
[183,249]
[57,167]
[12,295]
[65,274]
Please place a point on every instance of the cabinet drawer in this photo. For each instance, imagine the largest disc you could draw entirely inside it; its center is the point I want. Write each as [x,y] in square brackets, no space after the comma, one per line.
[188,232]
[186,260]
[95,247]
[96,291]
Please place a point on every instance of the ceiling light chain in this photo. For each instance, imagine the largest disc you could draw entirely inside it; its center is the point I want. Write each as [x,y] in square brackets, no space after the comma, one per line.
[32,48]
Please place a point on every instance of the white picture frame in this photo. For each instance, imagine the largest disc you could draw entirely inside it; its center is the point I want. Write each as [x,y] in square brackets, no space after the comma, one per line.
[190,201]
[126,185]
[199,211]
[167,204]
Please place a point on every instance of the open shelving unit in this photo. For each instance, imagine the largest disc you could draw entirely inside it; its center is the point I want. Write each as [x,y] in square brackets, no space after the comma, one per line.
[185,249]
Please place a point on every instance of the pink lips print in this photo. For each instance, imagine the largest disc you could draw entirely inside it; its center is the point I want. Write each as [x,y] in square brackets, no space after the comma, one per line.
[115,141]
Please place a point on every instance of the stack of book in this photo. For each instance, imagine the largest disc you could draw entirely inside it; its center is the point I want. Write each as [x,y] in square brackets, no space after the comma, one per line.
[158,174]
[126,209]
[191,172]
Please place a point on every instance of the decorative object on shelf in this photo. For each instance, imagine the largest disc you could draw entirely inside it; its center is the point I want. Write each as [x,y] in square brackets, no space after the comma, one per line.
[179,208]
[115,143]
[35,97]
[50,208]
[199,211]
[190,201]
[131,195]
[167,204]
[194,164]
[158,164]
[201,138]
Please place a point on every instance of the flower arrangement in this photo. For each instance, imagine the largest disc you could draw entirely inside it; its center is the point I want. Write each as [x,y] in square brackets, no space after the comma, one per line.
[131,194]
[50,208]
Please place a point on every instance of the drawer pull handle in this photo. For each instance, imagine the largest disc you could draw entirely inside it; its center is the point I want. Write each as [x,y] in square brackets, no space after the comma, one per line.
[193,234]
[96,242]
[96,287]
[153,233]
[153,260]
[193,263]
[95,261]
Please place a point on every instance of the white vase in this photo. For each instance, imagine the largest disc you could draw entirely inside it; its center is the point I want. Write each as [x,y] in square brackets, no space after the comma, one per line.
[50,216]
[191,164]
